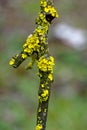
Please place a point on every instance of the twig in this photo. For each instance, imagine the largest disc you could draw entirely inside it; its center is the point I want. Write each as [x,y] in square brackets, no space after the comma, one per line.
[36,47]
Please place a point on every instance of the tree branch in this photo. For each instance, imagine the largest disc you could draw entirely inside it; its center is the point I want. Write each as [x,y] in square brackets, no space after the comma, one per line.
[36,47]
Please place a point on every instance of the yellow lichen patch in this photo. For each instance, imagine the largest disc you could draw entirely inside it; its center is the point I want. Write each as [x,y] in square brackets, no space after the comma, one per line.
[51,10]
[44,96]
[27,50]
[41,30]
[46,64]
[50,77]
[39,127]
[43,3]
[12,61]
[45,93]
[42,85]
[24,56]
[51,64]
[31,44]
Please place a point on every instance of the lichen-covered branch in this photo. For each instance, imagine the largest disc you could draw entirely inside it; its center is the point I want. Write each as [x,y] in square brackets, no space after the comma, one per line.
[36,47]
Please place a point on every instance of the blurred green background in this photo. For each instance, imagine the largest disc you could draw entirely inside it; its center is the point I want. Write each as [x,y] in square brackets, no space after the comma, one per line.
[19,88]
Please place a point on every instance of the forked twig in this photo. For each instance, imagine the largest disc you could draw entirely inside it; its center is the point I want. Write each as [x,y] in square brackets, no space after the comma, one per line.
[36,47]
